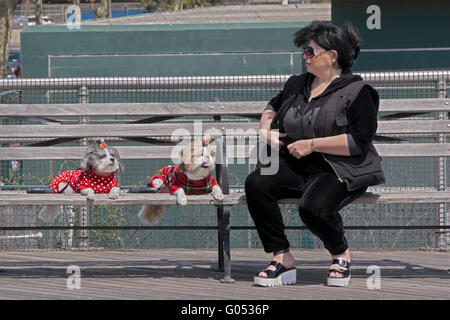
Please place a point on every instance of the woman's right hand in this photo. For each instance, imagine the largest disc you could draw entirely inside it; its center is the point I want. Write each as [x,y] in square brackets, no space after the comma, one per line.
[272,137]
[267,135]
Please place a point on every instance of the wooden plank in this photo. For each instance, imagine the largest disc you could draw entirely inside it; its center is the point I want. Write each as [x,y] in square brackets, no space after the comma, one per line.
[371,198]
[192,108]
[131,109]
[76,153]
[232,199]
[126,130]
[236,154]
[102,199]
[413,126]
[190,274]
[415,105]
[239,152]
[187,129]
[414,149]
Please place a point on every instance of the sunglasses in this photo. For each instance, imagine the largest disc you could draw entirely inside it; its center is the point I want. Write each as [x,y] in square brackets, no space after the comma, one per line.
[310,52]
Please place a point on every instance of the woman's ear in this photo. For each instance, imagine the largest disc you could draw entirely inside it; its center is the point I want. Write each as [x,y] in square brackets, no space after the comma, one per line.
[334,56]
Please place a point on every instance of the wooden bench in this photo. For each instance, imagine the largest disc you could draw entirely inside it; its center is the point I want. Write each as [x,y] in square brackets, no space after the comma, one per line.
[81,121]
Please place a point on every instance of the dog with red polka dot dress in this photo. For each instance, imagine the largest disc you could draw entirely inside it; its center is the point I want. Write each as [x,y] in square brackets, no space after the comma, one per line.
[97,174]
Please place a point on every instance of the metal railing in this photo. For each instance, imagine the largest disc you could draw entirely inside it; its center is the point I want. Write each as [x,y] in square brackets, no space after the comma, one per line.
[439,77]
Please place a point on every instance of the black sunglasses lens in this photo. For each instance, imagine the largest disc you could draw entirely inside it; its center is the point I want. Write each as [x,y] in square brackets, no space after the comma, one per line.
[308,52]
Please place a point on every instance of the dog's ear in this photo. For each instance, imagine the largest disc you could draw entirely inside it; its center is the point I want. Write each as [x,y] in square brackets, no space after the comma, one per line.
[86,162]
[181,165]
[121,167]
[116,155]
[181,153]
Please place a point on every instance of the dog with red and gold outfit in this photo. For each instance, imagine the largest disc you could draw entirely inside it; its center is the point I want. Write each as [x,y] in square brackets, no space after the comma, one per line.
[191,176]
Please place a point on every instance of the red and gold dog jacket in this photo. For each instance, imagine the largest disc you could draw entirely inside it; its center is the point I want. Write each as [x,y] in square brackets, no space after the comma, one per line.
[174,179]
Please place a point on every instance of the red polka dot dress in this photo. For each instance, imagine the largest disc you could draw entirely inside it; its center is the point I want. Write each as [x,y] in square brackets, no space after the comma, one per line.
[79,179]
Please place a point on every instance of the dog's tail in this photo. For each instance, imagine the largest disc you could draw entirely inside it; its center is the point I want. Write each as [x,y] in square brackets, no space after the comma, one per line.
[150,214]
[49,213]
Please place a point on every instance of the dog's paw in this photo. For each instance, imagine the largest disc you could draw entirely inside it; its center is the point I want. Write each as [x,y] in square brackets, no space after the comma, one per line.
[114,193]
[217,193]
[89,193]
[181,197]
[182,200]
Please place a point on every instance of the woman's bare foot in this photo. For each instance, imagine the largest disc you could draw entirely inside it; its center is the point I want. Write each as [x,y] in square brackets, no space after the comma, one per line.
[286,259]
[346,256]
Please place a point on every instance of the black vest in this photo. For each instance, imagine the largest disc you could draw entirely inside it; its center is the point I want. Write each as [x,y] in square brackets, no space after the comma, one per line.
[356,171]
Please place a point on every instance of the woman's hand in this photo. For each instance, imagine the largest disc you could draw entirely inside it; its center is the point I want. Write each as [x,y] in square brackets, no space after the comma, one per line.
[300,148]
[272,137]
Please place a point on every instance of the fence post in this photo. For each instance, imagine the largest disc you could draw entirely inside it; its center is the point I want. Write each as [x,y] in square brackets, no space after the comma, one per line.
[83,97]
[442,237]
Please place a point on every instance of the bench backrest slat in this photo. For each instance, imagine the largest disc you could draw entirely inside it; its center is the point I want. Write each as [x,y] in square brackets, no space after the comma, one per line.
[191,108]
[184,129]
[233,151]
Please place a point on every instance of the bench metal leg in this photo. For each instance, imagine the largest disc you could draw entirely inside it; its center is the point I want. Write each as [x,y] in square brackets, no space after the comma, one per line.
[223,220]
[84,222]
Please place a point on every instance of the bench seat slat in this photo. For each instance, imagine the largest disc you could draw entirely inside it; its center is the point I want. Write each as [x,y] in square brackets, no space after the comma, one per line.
[378,197]
[232,199]
[100,199]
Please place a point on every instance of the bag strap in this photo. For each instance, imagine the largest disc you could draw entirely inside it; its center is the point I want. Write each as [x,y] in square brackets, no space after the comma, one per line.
[349,92]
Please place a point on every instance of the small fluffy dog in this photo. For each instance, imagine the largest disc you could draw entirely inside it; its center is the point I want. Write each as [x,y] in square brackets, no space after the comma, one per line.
[96,175]
[191,176]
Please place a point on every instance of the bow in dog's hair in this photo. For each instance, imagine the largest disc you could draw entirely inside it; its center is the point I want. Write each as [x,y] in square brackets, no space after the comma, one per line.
[205,142]
[103,145]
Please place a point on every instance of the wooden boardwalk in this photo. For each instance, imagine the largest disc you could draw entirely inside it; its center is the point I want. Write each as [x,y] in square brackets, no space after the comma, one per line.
[173,274]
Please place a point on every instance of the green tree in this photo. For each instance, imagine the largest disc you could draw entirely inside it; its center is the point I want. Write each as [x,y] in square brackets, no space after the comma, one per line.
[104,10]
[170,5]
[6,24]
[38,11]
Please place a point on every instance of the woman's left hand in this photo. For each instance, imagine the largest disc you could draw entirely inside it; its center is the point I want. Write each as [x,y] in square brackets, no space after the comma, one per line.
[300,148]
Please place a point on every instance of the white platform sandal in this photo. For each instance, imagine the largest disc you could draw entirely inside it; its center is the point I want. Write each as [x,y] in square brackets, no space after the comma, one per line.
[341,281]
[278,277]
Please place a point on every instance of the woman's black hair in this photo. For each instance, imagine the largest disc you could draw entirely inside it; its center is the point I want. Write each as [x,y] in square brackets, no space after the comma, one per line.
[345,40]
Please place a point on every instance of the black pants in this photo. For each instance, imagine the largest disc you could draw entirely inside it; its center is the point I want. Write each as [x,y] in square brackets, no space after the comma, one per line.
[321,196]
